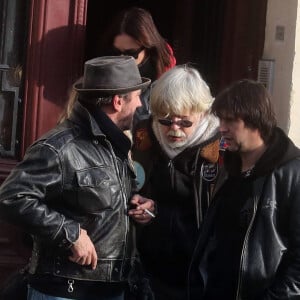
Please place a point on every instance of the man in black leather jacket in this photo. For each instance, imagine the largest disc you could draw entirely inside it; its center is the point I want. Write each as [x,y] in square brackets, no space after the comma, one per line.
[72,190]
[249,245]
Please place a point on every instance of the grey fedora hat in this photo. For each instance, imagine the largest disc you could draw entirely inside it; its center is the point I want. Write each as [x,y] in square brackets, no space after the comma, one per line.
[110,75]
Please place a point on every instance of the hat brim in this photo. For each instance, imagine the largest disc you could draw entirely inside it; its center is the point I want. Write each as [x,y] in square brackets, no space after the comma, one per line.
[100,92]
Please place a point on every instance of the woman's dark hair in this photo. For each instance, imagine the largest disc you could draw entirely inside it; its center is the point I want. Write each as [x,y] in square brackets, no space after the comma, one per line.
[249,101]
[138,23]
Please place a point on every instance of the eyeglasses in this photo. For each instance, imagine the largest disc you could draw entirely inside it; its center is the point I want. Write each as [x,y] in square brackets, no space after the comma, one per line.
[130,52]
[181,123]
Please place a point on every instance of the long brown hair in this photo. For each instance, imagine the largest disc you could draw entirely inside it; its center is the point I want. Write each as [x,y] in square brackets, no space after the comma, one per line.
[138,23]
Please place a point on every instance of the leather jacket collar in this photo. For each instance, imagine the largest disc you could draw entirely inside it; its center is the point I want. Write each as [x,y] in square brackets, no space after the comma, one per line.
[101,125]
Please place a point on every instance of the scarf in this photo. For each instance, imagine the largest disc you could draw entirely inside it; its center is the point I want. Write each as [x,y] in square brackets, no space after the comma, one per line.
[204,130]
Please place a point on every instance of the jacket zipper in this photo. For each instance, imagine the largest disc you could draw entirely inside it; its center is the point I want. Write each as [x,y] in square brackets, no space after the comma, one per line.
[70,285]
[198,192]
[124,196]
[244,247]
[171,167]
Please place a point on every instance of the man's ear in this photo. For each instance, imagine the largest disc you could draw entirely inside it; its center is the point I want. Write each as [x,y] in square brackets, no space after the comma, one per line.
[117,103]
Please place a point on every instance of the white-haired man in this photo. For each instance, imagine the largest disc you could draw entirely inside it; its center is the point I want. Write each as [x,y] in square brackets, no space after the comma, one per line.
[178,150]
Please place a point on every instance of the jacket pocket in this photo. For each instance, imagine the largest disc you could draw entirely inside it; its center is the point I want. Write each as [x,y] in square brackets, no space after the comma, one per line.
[94,192]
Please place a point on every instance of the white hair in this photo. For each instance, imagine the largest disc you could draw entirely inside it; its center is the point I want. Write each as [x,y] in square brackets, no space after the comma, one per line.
[180,90]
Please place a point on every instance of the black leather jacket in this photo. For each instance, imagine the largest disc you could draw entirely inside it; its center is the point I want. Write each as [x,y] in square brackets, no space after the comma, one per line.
[270,257]
[181,188]
[71,178]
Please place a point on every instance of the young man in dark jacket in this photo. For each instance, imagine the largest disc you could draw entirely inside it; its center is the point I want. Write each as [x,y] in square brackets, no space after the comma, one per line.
[178,150]
[249,245]
[73,187]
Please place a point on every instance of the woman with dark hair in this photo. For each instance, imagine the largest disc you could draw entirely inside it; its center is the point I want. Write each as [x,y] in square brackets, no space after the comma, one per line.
[133,32]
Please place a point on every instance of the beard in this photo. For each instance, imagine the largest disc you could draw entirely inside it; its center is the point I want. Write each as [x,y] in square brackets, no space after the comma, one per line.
[236,148]
[125,123]
[176,144]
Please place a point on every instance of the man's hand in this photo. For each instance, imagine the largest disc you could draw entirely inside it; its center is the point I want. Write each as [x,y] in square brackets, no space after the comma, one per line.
[83,251]
[143,210]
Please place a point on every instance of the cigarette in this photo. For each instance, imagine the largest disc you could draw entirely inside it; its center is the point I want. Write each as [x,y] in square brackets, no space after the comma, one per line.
[149,213]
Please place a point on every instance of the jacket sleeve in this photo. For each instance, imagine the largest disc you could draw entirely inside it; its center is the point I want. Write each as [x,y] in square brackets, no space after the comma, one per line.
[286,284]
[30,193]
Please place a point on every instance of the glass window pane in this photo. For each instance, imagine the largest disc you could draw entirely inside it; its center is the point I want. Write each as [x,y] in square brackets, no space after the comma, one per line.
[13,18]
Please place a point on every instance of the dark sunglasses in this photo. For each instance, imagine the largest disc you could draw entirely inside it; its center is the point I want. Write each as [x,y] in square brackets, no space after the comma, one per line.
[130,52]
[181,123]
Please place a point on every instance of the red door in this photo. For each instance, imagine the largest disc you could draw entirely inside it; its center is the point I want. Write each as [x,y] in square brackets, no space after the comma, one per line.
[37,68]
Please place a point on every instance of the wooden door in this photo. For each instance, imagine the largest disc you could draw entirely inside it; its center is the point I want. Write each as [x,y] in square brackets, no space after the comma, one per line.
[41,55]
[223,39]
[242,41]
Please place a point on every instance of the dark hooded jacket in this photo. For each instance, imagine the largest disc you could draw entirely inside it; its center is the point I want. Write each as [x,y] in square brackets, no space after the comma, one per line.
[269,262]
